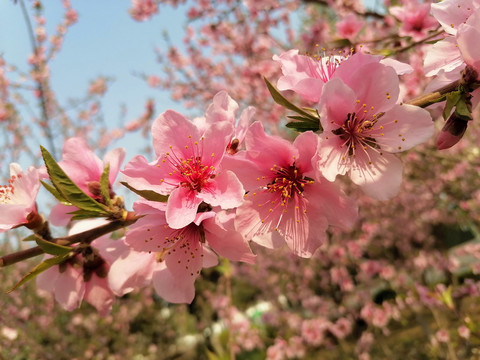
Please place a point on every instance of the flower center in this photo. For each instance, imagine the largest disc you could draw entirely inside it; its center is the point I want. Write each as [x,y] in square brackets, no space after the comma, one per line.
[288,182]
[6,191]
[189,171]
[355,132]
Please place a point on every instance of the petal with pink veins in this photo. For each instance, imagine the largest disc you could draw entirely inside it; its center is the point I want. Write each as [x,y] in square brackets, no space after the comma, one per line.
[225,190]
[382,178]
[182,207]
[403,127]
[172,288]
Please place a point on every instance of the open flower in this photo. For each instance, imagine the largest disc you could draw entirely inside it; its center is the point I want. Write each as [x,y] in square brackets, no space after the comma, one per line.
[460,20]
[307,75]
[363,127]
[287,200]
[17,199]
[185,251]
[188,167]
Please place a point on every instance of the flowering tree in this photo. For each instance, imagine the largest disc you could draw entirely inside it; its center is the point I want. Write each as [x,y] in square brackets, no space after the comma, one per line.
[378,222]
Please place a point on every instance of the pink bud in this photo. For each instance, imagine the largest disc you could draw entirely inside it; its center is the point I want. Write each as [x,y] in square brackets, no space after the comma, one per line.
[452,132]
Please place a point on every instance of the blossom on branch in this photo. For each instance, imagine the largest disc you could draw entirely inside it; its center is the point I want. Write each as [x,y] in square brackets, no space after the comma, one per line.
[363,126]
[183,252]
[188,166]
[17,199]
[287,200]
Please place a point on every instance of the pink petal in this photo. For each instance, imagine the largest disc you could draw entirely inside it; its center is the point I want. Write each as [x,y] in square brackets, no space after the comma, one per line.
[227,243]
[336,207]
[246,170]
[403,127]
[223,108]
[225,190]
[380,89]
[467,39]
[244,123]
[268,150]
[182,207]
[172,288]
[333,156]
[12,215]
[80,162]
[131,271]
[98,294]
[353,63]
[210,259]
[142,175]
[450,14]
[304,231]
[382,179]
[337,101]
[171,131]
[215,142]
[307,146]
[115,158]
[443,55]
[47,279]
[59,215]
[70,288]
[187,259]
[250,215]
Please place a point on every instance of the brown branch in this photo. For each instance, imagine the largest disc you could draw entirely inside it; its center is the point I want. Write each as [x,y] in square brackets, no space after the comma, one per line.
[85,237]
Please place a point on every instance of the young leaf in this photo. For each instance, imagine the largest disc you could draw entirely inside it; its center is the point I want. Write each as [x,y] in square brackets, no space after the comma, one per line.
[68,190]
[52,248]
[45,265]
[302,126]
[105,185]
[32,237]
[55,193]
[85,214]
[464,110]
[281,100]
[147,194]
[452,100]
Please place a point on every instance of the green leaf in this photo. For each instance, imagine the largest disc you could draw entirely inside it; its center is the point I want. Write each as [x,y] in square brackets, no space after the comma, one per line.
[85,214]
[45,265]
[302,126]
[52,248]
[68,189]
[32,237]
[146,194]
[463,110]
[55,193]
[451,101]
[105,185]
[281,100]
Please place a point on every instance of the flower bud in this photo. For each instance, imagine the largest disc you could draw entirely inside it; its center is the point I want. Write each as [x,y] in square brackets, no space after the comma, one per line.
[452,132]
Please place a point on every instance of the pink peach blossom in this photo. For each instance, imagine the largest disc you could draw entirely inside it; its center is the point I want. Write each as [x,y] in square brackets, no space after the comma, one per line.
[349,27]
[186,250]
[415,18]
[17,199]
[307,75]
[364,127]
[188,167]
[287,200]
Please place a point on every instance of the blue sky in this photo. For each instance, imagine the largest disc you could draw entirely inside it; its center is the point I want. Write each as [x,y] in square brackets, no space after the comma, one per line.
[106,41]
